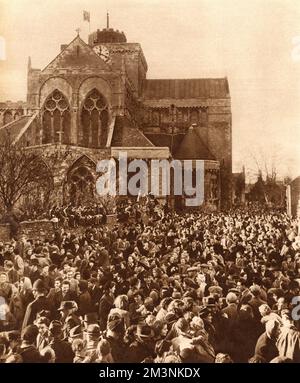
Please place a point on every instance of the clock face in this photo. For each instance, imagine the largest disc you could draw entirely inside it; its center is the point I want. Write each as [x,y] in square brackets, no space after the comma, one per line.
[102,52]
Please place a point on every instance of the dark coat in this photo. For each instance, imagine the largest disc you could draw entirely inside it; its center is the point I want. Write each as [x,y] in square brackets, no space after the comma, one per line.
[63,351]
[119,350]
[30,354]
[40,303]
[96,295]
[55,298]
[69,296]
[84,303]
[139,350]
[266,348]
[105,305]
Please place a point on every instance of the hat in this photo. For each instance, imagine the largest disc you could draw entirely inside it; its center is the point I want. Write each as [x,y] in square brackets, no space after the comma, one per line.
[144,331]
[93,330]
[204,311]
[209,301]
[68,305]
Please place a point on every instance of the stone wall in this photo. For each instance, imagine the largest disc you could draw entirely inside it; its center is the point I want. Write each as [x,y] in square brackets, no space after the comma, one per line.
[43,229]
[32,229]
[36,229]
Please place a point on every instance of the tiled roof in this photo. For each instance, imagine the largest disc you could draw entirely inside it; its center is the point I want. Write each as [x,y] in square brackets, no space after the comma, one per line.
[162,139]
[192,147]
[186,89]
[125,134]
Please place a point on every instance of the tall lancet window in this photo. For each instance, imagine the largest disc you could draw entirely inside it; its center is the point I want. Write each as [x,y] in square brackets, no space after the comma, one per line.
[94,120]
[56,119]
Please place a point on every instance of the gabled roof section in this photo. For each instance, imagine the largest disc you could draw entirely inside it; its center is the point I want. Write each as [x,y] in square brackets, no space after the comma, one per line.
[186,88]
[76,55]
[192,147]
[165,139]
[125,134]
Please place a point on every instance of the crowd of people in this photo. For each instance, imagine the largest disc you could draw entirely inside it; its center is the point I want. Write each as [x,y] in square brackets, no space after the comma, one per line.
[156,287]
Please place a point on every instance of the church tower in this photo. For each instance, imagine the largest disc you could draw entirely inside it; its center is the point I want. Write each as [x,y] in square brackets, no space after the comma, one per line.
[112,46]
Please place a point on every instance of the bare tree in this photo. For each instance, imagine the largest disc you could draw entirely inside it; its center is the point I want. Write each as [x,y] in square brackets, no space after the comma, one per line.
[22,171]
[266,169]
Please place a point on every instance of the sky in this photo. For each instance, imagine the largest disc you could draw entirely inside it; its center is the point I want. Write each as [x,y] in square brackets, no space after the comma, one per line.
[252,42]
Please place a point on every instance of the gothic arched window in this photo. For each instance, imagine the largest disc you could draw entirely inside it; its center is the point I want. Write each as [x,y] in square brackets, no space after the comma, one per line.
[56,119]
[94,120]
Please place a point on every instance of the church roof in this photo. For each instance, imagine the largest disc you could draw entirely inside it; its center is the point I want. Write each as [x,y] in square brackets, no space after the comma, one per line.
[192,147]
[76,55]
[125,134]
[163,139]
[186,89]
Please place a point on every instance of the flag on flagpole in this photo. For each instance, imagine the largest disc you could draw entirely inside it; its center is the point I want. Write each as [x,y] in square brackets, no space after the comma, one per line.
[86,16]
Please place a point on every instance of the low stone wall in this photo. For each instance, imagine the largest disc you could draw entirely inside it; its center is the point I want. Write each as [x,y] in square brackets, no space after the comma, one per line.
[36,229]
[42,229]
[31,229]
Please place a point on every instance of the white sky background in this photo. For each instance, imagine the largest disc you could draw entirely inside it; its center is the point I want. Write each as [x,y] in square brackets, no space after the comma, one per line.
[249,41]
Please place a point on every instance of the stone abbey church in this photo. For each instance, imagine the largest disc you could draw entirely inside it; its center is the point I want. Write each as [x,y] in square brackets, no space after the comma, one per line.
[95,100]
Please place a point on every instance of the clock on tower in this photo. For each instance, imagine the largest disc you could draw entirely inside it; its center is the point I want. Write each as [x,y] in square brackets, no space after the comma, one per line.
[102,52]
